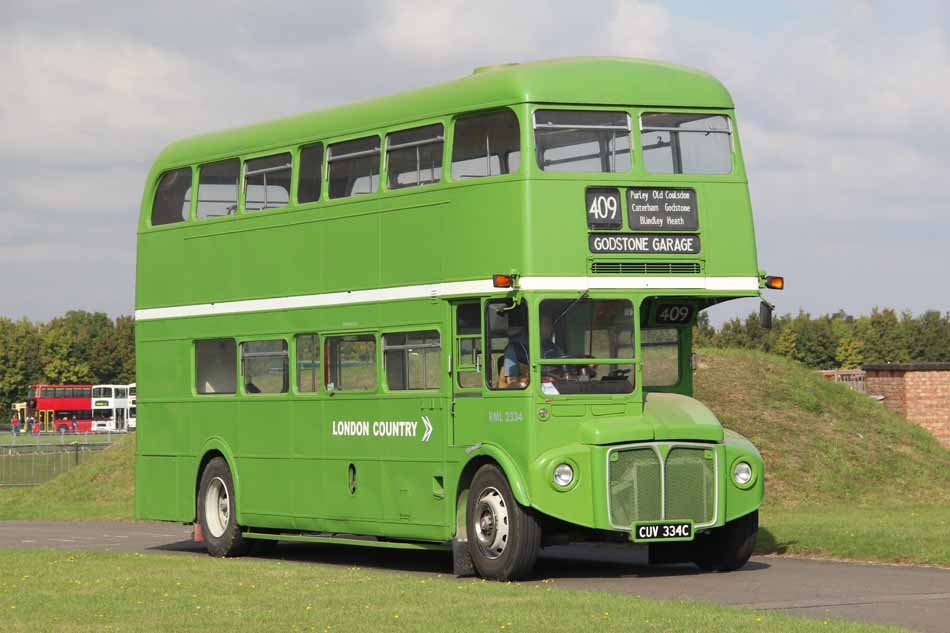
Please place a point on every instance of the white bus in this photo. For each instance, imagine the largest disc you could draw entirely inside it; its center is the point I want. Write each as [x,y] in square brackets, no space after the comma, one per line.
[132,407]
[110,408]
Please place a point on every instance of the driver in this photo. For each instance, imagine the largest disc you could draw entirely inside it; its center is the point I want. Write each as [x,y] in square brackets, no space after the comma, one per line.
[549,349]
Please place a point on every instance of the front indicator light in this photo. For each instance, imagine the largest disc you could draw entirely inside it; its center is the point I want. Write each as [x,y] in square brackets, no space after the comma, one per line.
[563,475]
[742,474]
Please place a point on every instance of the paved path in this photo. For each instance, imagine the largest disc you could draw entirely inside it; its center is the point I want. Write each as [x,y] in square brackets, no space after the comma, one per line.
[914,597]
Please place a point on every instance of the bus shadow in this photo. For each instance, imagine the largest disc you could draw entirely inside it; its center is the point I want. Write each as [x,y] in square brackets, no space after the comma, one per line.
[577,561]
[767,543]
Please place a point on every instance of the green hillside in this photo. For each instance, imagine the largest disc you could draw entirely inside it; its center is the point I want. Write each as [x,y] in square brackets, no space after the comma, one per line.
[101,488]
[822,443]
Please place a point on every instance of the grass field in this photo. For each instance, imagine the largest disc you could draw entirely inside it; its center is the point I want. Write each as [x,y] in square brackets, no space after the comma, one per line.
[152,592]
[898,534]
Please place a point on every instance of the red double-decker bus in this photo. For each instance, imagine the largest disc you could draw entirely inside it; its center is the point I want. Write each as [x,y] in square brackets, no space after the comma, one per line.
[60,408]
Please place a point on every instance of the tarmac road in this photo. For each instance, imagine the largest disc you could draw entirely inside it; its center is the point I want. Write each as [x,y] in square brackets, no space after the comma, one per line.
[913,597]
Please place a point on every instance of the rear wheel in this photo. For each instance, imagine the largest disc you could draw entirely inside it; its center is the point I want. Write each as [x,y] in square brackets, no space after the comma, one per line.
[729,547]
[217,511]
[503,537]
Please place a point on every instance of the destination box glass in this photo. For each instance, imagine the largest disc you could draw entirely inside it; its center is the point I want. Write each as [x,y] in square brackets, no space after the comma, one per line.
[662,209]
[643,243]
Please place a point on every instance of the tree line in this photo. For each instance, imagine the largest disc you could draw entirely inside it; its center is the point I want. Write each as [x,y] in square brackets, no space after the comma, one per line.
[89,347]
[838,340]
[78,347]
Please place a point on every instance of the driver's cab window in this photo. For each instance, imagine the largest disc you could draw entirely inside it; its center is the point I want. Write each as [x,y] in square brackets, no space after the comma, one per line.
[587,346]
[506,335]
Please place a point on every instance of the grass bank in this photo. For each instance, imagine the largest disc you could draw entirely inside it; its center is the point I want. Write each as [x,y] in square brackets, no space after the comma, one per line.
[845,477]
[102,488]
[151,592]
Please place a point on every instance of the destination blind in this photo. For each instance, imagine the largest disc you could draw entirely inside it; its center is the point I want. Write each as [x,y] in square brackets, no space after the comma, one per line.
[662,209]
[643,243]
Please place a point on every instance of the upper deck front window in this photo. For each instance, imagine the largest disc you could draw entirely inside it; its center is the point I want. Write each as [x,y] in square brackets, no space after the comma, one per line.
[486,145]
[582,141]
[676,143]
[587,346]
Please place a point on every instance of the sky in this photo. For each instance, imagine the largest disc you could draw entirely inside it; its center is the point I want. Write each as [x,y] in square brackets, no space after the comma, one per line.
[843,111]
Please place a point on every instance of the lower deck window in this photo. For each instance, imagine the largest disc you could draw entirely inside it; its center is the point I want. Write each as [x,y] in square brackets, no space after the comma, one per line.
[412,360]
[264,366]
[308,363]
[351,362]
[216,366]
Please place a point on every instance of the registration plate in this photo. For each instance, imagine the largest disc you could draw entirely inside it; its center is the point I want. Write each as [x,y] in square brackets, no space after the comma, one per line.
[651,531]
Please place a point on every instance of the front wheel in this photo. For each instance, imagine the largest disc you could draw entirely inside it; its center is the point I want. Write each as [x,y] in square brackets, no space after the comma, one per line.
[216,511]
[729,547]
[503,537]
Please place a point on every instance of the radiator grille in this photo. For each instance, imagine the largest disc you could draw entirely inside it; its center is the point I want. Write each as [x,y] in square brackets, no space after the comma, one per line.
[645,268]
[690,484]
[686,490]
[634,486]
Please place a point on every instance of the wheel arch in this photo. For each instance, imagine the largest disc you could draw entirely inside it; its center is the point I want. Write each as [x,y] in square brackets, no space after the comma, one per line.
[486,454]
[215,447]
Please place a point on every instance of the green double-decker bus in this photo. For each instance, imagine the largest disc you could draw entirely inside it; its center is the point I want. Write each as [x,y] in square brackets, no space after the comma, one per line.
[455,318]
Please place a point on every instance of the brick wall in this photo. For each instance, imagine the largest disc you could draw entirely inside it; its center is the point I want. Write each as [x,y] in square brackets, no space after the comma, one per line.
[920,392]
[927,394]
[887,383]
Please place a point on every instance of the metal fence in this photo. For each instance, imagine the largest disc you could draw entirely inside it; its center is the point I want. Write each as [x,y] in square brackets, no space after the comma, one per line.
[33,460]
[853,378]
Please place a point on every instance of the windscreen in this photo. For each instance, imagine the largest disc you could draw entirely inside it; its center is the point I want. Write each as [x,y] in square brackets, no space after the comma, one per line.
[587,346]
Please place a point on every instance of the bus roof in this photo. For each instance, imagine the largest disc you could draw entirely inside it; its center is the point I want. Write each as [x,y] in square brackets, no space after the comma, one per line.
[586,80]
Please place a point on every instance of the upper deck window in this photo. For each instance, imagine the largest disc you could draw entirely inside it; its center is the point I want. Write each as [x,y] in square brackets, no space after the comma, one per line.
[310,180]
[582,141]
[218,188]
[354,167]
[486,145]
[267,182]
[676,143]
[173,197]
[414,157]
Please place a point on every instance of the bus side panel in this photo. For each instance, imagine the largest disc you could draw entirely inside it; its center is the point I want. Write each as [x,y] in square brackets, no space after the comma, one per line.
[309,449]
[156,495]
[263,456]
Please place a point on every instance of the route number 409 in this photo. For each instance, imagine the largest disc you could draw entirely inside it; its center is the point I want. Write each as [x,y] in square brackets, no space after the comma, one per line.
[676,313]
[603,207]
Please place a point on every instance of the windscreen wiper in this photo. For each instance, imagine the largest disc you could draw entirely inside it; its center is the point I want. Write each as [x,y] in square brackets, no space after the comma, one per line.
[570,307]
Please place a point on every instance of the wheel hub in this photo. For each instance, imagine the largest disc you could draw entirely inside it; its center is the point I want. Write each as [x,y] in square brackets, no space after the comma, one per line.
[491,525]
[217,507]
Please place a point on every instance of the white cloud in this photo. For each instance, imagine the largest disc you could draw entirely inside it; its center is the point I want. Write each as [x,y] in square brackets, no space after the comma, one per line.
[844,112]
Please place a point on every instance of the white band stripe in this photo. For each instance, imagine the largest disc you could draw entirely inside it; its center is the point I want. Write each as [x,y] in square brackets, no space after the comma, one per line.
[447,290]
